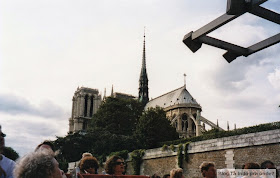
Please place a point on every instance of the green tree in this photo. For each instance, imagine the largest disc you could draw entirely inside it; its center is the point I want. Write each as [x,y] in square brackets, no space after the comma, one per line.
[117,116]
[10,153]
[110,130]
[153,127]
[72,146]
[106,142]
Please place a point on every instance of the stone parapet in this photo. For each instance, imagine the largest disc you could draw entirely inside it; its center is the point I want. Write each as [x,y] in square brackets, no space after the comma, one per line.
[238,141]
[245,140]
[158,153]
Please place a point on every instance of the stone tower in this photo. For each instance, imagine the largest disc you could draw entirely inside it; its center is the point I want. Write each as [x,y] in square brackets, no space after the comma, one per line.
[86,101]
[143,80]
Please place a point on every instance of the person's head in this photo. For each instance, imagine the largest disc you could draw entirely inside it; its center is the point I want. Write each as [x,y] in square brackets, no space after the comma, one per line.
[2,140]
[36,164]
[86,154]
[208,170]
[166,176]
[176,173]
[89,164]
[251,166]
[155,176]
[45,145]
[115,165]
[268,165]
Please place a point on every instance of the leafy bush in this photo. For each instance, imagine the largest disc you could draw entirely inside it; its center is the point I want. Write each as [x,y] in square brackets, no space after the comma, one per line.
[10,153]
[186,155]
[123,154]
[172,147]
[180,155]
[164,147]
[136,157]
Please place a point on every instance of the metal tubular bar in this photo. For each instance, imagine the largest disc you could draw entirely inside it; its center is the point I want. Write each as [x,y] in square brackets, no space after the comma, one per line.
[266,14]
[230,56]
[194,40]
[218,22]
[263,44]
[223,45]
[257,2]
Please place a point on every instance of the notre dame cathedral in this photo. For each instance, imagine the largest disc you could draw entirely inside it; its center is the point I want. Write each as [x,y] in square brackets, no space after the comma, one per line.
[181,108]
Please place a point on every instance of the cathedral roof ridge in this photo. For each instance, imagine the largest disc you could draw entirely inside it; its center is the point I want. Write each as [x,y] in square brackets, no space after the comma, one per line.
[174,97]
[125,94]
[86,89]
[167,93]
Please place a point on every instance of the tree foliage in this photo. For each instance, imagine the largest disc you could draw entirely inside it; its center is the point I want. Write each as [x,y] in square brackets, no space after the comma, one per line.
[180,155]
[106,142]
[72,146]
[136,158]
[117,116]
[118,125]
[110,130]
[153,127]
[10,153]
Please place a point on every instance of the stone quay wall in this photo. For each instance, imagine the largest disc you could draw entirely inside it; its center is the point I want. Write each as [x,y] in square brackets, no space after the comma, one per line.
[227,152]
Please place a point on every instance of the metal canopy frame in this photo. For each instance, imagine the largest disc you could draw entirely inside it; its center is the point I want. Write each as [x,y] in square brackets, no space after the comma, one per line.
[235,8]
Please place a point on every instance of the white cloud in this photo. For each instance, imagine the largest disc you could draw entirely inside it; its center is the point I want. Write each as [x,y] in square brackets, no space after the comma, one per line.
[25,132]
[274,78]
[15,105]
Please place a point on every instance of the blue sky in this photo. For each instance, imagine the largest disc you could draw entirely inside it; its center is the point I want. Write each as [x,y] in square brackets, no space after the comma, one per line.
[49,48]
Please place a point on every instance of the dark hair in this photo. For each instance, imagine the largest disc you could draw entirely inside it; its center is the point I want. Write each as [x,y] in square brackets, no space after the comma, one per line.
[251,166]
[206,165]
[87,162]
[46,142]
[155,176]
[176,173]
[166,175]
[265,163]
[111,163]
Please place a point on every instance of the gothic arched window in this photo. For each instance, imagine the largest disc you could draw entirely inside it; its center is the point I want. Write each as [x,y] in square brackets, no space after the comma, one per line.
[194,127]
[91,107]
[184,121]
[85,106]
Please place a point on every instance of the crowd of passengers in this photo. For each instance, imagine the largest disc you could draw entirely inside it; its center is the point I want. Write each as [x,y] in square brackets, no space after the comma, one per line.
[41,163]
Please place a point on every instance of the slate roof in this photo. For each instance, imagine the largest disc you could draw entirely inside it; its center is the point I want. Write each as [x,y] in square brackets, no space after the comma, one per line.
[178,96]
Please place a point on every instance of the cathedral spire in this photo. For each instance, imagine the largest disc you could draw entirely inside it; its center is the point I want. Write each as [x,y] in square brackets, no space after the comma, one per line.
[143,80]
[104,97]
[112,91]
[185,79]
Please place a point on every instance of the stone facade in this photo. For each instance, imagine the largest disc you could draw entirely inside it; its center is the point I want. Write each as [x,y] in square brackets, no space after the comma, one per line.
[122,95]
[183,111]
[185,119]
[227,152]
[86,102]
[257,154]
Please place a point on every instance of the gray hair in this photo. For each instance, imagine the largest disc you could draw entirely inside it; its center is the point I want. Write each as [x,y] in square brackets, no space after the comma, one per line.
[35,164]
